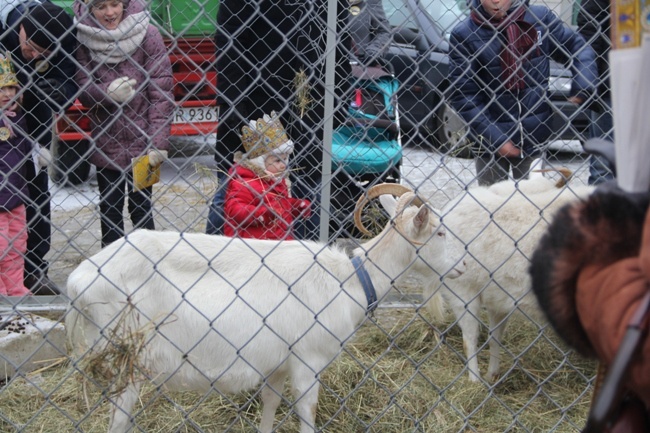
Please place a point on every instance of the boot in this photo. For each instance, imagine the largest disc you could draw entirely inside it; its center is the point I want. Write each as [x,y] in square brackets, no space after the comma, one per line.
[40,284]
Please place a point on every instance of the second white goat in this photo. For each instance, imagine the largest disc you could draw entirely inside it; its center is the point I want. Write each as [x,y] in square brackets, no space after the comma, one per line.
[497,228]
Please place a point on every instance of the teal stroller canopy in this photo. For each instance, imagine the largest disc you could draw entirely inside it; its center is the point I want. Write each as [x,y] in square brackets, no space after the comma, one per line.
[369,141]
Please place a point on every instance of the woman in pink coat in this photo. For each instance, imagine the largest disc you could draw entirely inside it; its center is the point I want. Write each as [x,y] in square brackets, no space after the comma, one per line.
[125,80]
[258,203]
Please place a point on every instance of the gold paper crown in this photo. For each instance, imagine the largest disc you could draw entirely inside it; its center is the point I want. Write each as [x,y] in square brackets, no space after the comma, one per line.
[7,74]
[265,136]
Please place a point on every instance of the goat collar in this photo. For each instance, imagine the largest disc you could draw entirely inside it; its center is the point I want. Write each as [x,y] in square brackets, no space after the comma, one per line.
[366,283]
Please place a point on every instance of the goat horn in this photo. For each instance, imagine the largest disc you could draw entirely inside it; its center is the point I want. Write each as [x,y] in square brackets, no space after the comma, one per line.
[563,171]
[566,175]
[374,192]
[408,198]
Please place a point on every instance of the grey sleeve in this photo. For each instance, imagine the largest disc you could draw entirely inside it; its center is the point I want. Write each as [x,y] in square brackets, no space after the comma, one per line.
[380,29]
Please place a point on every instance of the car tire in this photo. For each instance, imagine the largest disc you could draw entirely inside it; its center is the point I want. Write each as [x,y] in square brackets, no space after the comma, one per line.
[451,134]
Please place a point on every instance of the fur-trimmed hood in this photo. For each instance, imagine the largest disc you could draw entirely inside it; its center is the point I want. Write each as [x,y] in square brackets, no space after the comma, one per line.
[600,230]
[256,165]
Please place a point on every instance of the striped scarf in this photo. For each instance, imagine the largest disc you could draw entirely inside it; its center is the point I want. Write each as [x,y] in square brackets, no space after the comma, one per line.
[520,37]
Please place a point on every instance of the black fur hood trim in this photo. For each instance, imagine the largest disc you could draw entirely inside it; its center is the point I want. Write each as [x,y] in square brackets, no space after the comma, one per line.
[604,228]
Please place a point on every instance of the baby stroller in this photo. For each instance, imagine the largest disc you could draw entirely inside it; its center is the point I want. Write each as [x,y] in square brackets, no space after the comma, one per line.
[367,148]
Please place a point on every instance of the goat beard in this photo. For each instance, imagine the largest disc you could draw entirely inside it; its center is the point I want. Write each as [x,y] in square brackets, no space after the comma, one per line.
[603,229]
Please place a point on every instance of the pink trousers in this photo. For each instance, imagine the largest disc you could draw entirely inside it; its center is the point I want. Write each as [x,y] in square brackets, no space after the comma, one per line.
[13,244]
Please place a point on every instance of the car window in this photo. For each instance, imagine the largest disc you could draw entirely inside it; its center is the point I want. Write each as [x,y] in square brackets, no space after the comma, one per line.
[446,13]
[398,14]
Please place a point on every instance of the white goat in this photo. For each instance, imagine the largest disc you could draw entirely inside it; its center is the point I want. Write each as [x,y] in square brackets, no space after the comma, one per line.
[230,314]
[498,227]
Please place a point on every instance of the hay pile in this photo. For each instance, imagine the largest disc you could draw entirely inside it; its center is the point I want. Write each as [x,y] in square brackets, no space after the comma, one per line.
[397,375]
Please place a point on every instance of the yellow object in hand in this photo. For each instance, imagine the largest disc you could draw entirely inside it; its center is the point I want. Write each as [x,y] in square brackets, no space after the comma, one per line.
[144,175]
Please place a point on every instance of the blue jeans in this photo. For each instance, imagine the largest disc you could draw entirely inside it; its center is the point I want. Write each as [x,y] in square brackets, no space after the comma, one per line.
[602,126]
[214,225]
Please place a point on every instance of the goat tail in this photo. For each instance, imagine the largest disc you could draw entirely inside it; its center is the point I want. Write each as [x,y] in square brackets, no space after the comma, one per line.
[73,319]
[434,304]
[81,332]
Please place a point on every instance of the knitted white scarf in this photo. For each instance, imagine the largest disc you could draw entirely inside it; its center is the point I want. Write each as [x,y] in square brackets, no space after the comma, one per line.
[114,46]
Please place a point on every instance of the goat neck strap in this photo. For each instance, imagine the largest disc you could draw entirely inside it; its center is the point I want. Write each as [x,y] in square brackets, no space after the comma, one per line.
[366,283]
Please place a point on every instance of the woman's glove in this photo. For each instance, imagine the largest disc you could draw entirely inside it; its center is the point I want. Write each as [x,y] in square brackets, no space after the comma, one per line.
[52,89]
[121,89]
[42,156]
[156,157]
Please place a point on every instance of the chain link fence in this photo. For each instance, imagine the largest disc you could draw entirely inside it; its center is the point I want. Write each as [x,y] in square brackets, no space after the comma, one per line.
[174,313]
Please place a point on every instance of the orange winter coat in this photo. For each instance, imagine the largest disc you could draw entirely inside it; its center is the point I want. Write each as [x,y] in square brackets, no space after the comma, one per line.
[591,270]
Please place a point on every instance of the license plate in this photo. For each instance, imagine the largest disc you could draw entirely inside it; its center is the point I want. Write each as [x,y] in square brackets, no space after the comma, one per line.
[196,114]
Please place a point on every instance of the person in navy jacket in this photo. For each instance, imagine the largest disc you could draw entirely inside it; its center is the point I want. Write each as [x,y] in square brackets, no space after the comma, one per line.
[499,70]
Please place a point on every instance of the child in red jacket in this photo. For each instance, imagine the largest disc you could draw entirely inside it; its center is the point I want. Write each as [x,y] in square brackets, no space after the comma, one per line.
[258,202]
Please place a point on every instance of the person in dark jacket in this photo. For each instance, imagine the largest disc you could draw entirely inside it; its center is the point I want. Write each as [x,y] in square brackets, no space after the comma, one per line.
[370,31]
[14,149]
[499,69]
[126,80]
[271,57]
[41,41]
[594,25]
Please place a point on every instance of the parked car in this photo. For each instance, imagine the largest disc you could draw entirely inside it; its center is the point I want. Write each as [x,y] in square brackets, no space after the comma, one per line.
[419,57]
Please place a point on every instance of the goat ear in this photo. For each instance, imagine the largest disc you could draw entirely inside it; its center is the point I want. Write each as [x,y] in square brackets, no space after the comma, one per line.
[389,203]
[421,219]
